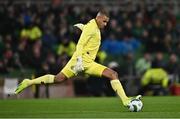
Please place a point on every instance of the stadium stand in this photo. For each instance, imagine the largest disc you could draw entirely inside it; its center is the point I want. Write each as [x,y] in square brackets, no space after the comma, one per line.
[37,36]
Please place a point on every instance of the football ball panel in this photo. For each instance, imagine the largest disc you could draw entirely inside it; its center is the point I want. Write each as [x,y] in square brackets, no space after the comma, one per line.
[135,105]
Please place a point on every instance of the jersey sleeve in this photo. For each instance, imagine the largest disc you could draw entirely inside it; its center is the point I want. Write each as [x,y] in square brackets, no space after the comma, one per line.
[86,34]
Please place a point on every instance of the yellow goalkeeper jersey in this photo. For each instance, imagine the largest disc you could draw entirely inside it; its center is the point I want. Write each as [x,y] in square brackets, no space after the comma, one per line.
[89,42]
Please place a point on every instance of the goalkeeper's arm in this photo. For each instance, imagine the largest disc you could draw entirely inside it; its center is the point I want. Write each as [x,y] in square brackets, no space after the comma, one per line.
[86,34]
[79,64]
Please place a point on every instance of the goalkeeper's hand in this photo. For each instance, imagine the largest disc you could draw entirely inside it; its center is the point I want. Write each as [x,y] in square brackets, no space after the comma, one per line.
[79,65]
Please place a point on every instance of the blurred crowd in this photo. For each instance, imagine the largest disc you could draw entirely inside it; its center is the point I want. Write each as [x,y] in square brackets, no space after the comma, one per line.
[42,37]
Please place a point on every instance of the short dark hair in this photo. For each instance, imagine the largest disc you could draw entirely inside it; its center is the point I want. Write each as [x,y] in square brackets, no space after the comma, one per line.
[103,11]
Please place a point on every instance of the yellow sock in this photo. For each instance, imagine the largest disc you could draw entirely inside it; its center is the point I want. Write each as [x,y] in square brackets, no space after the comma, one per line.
[43,79]
[117,87]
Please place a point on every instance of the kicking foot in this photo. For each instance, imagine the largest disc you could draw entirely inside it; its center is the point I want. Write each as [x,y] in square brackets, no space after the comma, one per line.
[24,84]
[126,103]
[139,97]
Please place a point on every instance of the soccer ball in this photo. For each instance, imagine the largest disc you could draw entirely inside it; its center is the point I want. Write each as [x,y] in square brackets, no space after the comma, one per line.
[135,105]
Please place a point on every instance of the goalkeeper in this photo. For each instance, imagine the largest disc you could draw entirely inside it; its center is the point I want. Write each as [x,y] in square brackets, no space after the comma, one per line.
[83,59]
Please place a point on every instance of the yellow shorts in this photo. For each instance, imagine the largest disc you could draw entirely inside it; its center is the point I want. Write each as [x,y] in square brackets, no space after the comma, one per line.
[91,68]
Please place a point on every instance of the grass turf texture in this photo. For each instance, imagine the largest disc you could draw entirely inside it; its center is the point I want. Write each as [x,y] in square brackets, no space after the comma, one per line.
[156,107]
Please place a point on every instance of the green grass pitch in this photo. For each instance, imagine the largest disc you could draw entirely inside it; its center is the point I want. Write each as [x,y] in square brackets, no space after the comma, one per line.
[89,107]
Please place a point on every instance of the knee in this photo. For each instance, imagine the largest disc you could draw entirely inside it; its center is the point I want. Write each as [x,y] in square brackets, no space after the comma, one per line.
[114,75]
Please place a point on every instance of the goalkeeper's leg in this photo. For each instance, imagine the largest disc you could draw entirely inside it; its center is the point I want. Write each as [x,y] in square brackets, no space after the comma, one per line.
[117,87]
[41,80]
[65,74]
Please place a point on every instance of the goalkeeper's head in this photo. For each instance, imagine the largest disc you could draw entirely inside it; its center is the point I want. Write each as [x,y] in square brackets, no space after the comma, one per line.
[102,18]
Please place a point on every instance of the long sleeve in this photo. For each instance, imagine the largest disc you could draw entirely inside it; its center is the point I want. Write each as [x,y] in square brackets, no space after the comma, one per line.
[89,42]
[86,34]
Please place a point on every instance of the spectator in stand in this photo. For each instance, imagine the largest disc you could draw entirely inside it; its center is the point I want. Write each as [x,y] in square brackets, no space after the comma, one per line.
[37,55]
[8,60]
[173,67]
[170,29]
[112,46]
[130,45]
[32,33]
[48,39]
[158,61]
[156,28]
[171,15]
[127,29]
[168,43]
[146,41]
[156,44]
[23,50]
[138,28]
[156,35]
[67,46]
[51,61]
[114,28]
[143,64]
